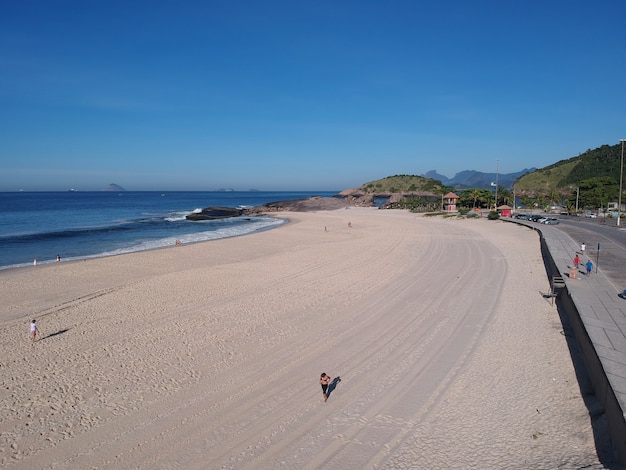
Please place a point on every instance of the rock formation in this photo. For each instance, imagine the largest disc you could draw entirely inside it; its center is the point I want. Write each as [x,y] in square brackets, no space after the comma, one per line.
[211,213]
[347,198]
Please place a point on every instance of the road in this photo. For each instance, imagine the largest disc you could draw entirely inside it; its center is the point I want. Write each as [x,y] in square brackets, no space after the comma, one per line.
[611,240]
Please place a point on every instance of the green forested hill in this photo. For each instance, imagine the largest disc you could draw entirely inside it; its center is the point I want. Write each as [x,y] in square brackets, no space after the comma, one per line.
[603,161]
[565,176]
[404,183]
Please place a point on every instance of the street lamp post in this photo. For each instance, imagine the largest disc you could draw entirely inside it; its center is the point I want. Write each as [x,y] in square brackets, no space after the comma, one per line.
[495,205]
[621,177]
[514,203]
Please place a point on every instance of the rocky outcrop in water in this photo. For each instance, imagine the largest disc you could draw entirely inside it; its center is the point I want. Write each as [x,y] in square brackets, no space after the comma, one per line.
[211,213]
[347,198]
[315,203]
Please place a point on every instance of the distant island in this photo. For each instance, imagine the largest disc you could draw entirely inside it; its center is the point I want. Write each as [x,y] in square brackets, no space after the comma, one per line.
[113,187]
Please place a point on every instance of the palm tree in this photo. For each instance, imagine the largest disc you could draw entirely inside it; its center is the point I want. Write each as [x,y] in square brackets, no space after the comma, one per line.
[526,201]
[476,195]
[505,196]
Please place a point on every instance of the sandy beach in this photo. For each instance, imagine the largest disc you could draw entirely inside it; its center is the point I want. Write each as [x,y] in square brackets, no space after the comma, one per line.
[445,353]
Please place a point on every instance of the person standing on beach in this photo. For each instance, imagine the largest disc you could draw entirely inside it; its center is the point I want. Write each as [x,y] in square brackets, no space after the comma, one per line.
[589,265]
[325,381]
[33,331]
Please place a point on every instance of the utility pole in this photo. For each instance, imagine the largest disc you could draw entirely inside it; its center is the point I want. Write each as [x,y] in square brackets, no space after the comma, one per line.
[621,176]
[495,205]
[514,202]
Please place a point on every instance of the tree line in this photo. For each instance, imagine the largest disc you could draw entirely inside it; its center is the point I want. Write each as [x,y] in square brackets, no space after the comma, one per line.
[594,193]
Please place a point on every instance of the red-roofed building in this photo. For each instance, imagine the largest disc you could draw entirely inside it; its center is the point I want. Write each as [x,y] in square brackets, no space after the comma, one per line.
[449,202]
[505,211]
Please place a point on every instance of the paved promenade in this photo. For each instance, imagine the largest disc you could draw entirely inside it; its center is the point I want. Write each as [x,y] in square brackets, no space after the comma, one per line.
[601,330]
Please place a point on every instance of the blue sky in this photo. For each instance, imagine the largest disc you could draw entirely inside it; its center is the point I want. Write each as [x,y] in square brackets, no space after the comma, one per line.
[282,95]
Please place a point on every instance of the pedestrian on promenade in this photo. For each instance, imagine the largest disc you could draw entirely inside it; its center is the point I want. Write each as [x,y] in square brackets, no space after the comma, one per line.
[582,248]
[577,261]
[589,265]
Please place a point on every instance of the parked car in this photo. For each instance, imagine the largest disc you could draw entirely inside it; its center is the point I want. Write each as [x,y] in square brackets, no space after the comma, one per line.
[590,216]
[535,217]
[550,221]
[522,216]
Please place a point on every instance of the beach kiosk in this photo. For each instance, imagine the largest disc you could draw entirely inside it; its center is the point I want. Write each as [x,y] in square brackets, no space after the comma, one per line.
[449,202]
[504,210]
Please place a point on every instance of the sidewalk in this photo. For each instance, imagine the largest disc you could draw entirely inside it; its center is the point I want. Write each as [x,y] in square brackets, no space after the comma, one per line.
[600,314]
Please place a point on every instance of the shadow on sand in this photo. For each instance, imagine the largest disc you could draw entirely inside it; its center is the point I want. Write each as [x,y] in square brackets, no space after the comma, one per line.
[332,386]
[60,332]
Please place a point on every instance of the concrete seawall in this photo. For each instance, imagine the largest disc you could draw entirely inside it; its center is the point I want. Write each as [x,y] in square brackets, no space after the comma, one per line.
[597,315]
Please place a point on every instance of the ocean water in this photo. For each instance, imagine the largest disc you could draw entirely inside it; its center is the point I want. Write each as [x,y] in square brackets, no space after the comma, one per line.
[77,225]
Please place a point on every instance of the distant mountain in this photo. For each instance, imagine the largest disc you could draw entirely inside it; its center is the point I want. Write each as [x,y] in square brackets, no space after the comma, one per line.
[476,179]
[113,187]
[432,174]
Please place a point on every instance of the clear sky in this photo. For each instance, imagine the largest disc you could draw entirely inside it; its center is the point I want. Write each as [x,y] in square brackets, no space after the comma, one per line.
[304,95]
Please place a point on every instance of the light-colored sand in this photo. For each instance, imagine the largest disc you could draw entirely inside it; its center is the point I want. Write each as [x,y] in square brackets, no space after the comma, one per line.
[209,355]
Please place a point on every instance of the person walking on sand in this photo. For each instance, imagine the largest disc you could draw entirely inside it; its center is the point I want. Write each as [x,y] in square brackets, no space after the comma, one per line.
[33,331]
[589,265]
[325,381]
